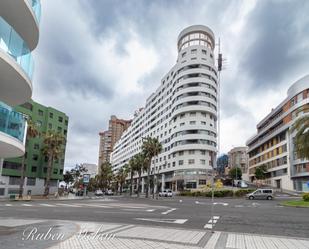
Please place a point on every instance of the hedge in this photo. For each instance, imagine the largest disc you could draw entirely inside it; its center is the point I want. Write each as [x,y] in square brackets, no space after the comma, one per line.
[217,193]
[306,196]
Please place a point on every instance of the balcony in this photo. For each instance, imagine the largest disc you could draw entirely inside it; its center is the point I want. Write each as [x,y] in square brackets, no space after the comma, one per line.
[16,66]
[12,132]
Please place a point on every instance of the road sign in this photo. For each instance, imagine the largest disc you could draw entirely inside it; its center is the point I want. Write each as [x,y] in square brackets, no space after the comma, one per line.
[86,178]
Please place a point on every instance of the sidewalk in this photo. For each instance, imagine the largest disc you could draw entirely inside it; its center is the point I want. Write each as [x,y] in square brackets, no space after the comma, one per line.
[91,235]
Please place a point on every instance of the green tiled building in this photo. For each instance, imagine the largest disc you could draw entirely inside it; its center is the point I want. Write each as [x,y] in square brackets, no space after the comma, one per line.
[45,118]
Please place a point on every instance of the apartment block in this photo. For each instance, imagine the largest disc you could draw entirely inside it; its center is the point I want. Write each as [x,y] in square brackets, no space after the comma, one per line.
[45,118]
[109,137]
[238,157]
[181,114]
[273,144]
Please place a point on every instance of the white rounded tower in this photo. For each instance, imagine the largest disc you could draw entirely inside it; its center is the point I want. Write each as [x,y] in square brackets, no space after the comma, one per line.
[19,35]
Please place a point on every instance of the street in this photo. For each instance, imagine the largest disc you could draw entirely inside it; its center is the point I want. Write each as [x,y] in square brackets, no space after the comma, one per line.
[232,215]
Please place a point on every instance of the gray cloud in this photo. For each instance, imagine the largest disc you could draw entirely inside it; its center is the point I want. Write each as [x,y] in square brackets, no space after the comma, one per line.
[74,72]
[274,30]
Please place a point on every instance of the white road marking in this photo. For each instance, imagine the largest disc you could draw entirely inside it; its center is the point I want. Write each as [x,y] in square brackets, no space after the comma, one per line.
[150,210]
[180,200]
[47,205]
[8,205]
[221,203]
[67,205]
[94,205]
[26,205]
[173,221]
[197,202]
[211,222]
[168,211]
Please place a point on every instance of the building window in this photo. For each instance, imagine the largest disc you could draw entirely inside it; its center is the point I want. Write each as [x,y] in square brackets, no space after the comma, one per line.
[59,129]
[66,122]
[191,161]
[35,157]
[41,113]
[33,169]
[50,126]
[203,152]
[192,122]
[28,106]
[36,146]
[203,123]
[202,182]
[51,115]
[180,153]
[30,181]
[183,54]
[204,51]
[174,164]
[11,165]
[39,123]
[60,119]
[180,162]
[203,161]
[55,171]
[193,51]
[14,180]
[191,152]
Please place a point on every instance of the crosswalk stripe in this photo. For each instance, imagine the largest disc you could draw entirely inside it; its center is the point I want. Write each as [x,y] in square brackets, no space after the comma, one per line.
[27,205]
[8,205]
[67,205]
[47,205]
[93,205]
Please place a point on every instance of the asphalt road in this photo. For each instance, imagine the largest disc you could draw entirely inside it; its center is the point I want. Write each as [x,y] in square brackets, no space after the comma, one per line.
[231,215]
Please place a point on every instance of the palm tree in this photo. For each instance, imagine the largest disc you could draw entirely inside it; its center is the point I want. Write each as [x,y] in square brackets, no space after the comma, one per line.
[105,175]
[53,150]
[32,132]
[141,166]
[132,168]
[151,147]
[301,126]
[121,176]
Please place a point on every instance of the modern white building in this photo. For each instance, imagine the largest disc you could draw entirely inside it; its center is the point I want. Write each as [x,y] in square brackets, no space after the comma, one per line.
[182,114]
[19,35]
[92,169]
[273,145]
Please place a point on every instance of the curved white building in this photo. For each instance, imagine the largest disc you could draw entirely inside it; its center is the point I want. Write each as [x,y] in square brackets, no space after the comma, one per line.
[19,35]
[273,146]
[182,114]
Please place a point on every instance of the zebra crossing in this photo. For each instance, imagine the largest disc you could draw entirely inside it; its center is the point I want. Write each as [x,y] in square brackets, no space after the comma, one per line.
[122,206]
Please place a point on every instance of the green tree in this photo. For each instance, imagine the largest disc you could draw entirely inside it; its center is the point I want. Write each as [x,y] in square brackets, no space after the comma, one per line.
[32,132]
[105,176]
[68,177]
[151,148]
[53,150]
[235,173]
[77,173]
[260,172]
[132,170]
[121,176]
[141,166]
[301,142]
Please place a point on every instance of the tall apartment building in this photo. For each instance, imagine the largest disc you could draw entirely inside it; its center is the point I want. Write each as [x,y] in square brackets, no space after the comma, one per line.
[45,118]
[108,138]
[273,144]
[238,157]
[19,35]
[182,114]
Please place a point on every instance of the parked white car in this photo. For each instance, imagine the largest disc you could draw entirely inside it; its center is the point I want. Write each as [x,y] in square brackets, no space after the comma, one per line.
[166,193]
[98,192]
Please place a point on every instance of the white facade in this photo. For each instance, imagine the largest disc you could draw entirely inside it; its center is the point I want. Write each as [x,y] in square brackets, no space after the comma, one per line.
[92,169]
[19,36]
[182,114]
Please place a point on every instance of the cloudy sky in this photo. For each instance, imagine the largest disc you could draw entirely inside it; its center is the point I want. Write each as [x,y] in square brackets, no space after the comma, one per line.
[101,57]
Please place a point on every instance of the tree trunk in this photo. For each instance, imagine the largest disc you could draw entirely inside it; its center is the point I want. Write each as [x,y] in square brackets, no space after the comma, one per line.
[49,169]
[131,184]
[139,183]
[22,178]
[148,180]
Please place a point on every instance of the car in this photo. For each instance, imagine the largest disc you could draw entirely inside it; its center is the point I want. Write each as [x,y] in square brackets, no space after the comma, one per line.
[109,192]
[166,193]
[261,194]
[98,192]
